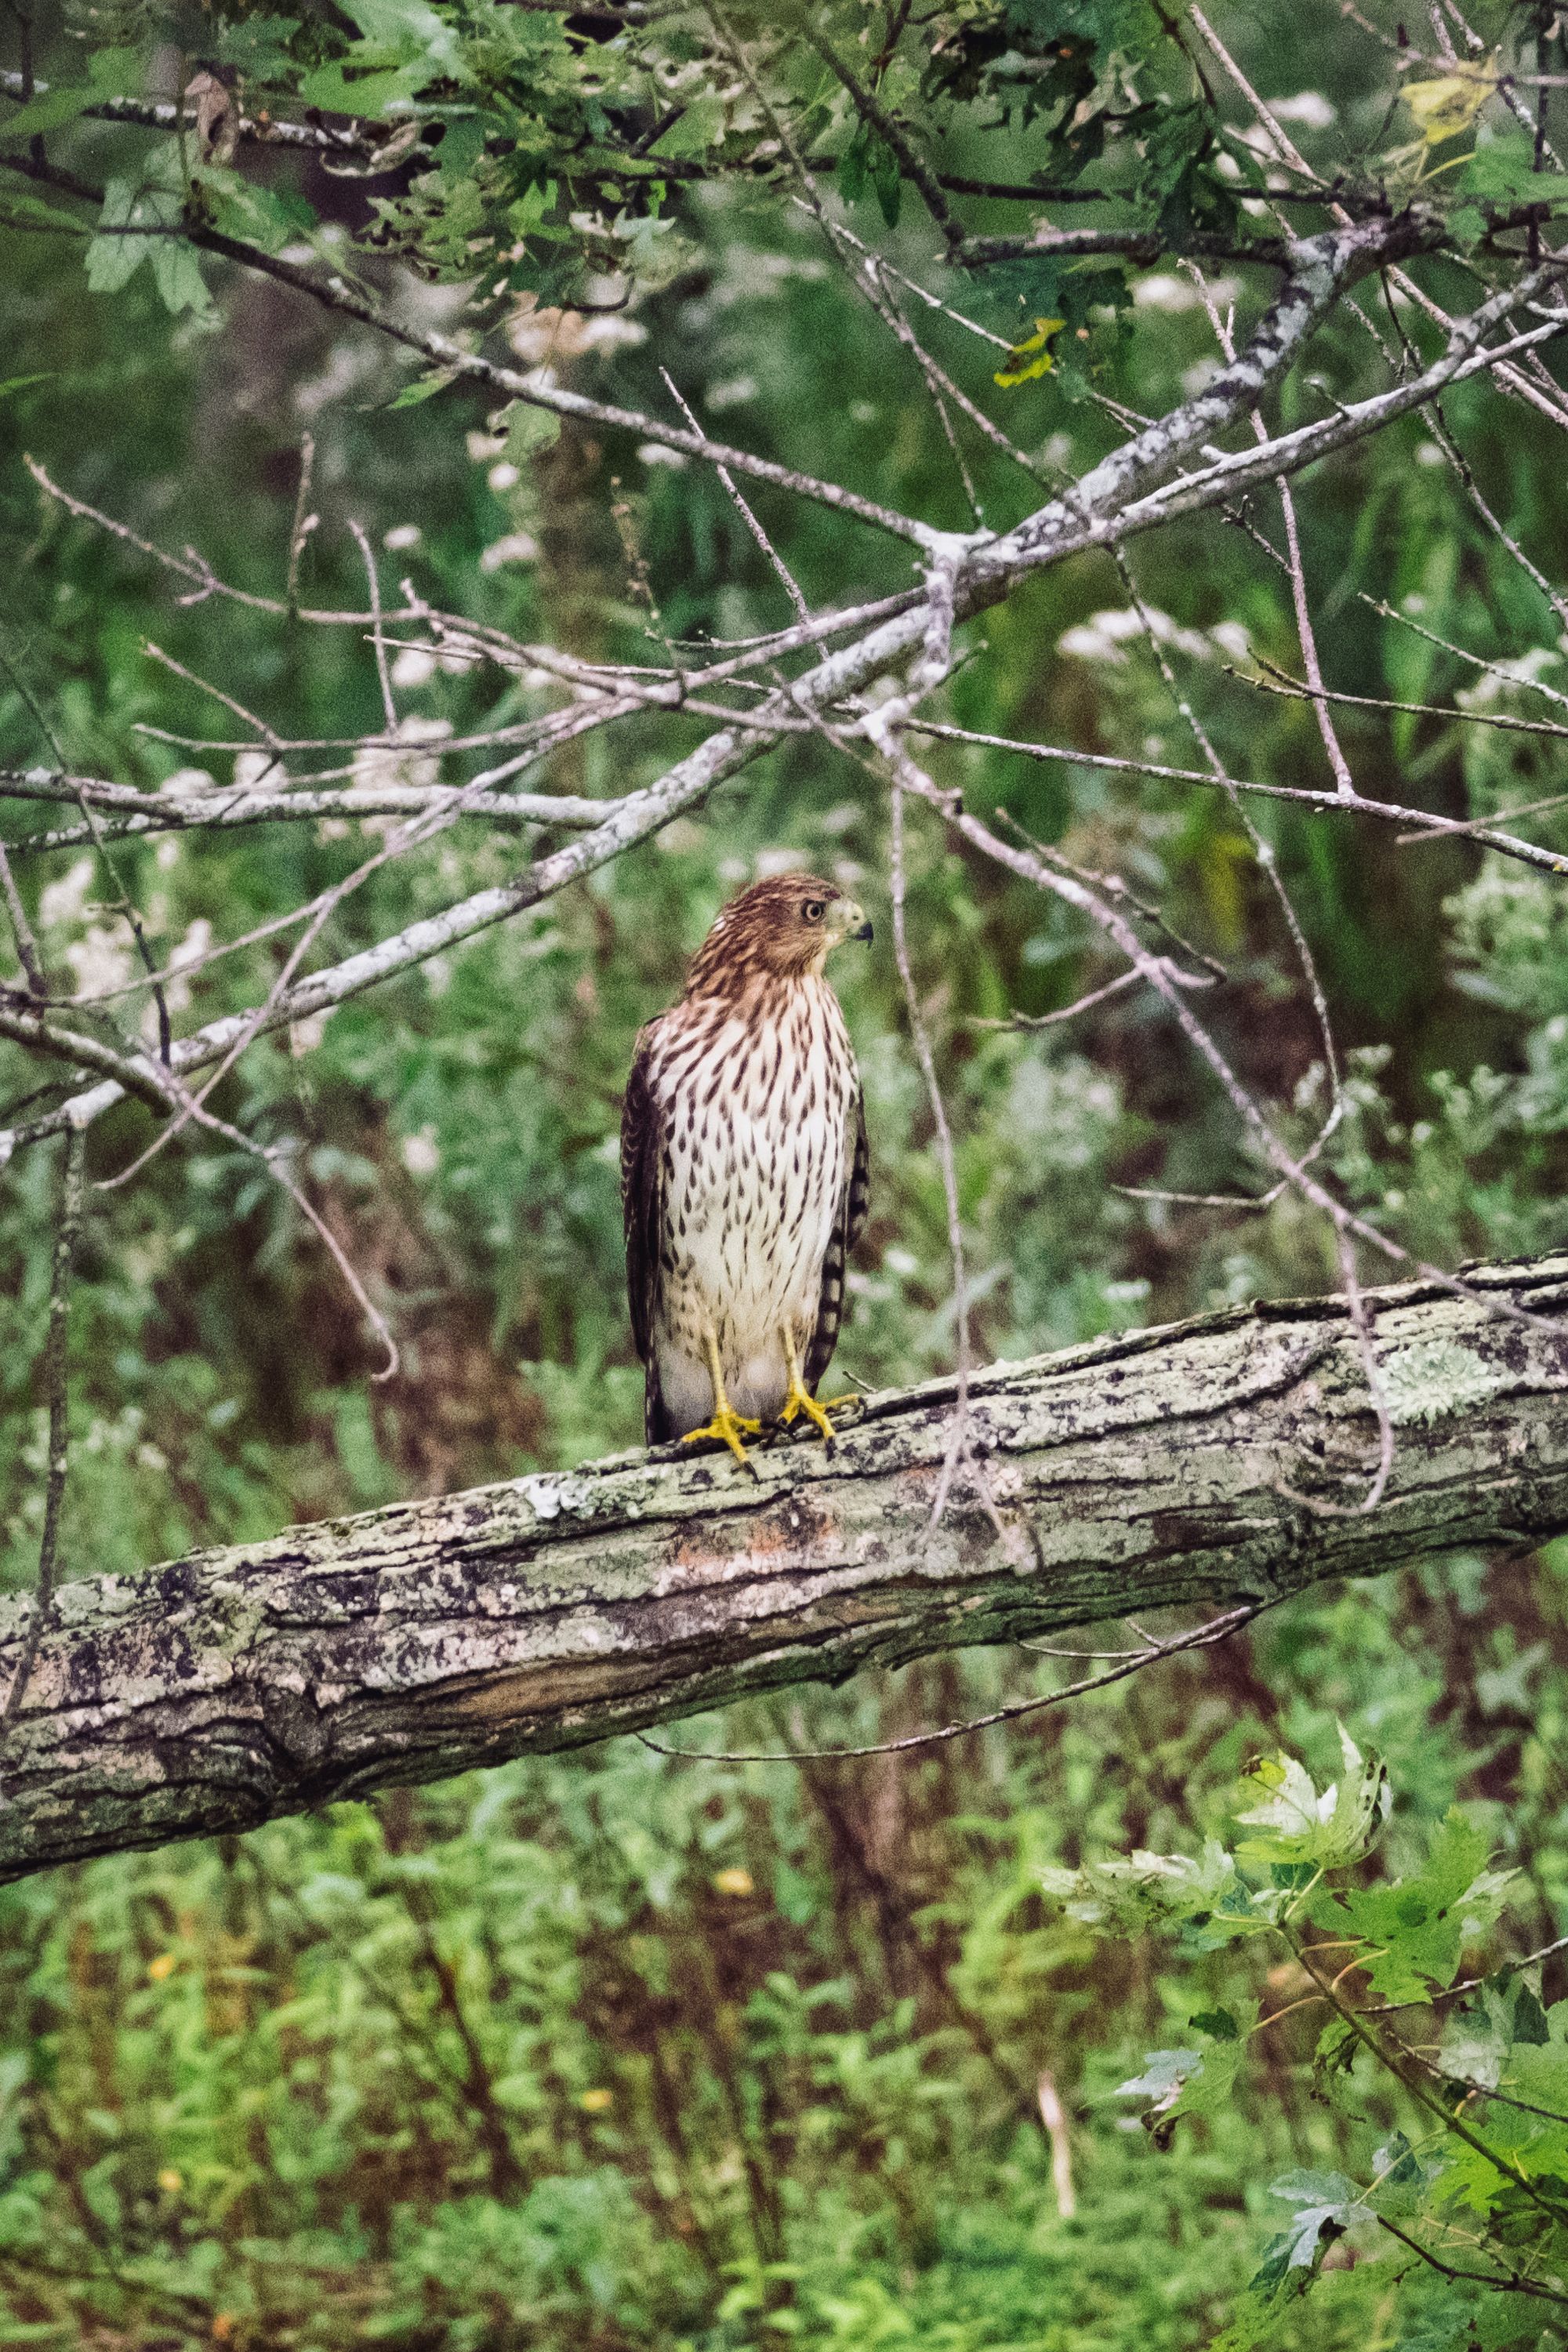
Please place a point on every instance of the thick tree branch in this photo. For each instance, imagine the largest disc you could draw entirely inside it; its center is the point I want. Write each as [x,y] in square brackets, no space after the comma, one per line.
[1134,1474]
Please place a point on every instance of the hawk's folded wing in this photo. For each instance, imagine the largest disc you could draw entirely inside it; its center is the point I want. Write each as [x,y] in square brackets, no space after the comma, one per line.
[642,1212]
[845,1234]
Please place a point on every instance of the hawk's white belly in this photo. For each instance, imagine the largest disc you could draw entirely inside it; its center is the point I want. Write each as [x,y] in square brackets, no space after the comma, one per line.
[755,1164]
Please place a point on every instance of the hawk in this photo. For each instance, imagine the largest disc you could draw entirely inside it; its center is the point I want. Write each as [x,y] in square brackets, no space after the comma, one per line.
[743,1170]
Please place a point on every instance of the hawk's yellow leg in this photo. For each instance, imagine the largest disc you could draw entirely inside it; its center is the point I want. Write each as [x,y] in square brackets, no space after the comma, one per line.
[800,1399]
[727,1424]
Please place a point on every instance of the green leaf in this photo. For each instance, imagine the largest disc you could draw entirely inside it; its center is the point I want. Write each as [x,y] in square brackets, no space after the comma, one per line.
[1145,1890]
[411,29]
[111,73]
[867,159]
[20,382]
[1327,2204]
[1185,2082]
[368,95]
[178,273]
[1164,2072]
[268,219]
[462,144]
[1531,2023]
[692,135]
[31,212]
[1326,1830]
[1503,173]
[423,387]
[529,429]
[112,260]
[1425,1923]
[1402,2177]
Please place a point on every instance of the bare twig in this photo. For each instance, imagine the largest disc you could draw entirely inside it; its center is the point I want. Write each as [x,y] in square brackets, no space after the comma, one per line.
[921,1038]
[743,510]
[388,706]
[1203,1638]
[304,523]
[67,1233]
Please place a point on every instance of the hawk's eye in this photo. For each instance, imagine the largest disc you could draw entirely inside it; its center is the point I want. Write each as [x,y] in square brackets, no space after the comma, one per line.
[813,911]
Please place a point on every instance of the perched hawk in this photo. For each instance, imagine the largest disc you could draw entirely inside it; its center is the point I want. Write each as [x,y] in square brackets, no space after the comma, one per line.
[743,1170]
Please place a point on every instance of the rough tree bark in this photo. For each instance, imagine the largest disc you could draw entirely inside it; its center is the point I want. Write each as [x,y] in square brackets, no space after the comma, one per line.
[1138,1472]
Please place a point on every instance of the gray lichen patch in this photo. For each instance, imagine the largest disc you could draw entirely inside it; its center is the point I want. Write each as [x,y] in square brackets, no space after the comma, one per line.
[1431,1379]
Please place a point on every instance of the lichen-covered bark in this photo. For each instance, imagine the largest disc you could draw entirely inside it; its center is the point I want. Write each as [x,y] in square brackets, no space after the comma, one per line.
[225,1690]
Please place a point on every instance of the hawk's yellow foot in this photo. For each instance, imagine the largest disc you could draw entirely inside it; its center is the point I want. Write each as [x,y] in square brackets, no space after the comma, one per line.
[728,1427]
[799,1399]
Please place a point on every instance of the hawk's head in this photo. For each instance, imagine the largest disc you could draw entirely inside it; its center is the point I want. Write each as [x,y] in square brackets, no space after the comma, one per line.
[784,926]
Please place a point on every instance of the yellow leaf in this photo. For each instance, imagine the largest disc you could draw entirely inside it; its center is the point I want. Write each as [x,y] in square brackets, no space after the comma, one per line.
[171,2181]
[733,1881]
[162,1968]
[1032,357]
[1447,107]
[596,2102]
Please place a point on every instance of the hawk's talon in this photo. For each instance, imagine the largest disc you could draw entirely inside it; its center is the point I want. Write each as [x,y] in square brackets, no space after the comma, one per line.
[727,1427]
[800,1400]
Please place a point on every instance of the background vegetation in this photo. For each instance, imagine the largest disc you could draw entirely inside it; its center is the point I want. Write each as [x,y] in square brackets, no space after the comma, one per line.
[622,2050]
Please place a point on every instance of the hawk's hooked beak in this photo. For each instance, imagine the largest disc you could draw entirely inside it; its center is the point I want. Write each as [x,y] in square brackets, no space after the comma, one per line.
[851,923]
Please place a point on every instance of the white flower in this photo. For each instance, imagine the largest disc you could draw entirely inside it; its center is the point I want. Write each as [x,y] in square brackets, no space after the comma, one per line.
[197,940]
[413,667]
[1309,108]
[252,770]
[306,1034]
[736,390]
[537,334]
[379,767]
[517,547]
[420,1153]
[100,961]
[1165,291]
[62,901]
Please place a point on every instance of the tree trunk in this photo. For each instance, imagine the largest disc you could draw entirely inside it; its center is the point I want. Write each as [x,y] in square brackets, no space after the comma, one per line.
[1159,1467]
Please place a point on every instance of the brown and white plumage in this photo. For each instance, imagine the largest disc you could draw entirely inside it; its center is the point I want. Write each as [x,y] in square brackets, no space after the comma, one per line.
[743,1167]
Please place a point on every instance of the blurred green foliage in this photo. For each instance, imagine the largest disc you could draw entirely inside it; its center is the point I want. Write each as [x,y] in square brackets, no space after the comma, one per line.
[620,2051]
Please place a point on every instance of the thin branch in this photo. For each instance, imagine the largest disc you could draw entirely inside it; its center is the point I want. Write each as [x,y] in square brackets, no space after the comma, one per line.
[1461,466]
[388,706]
[130,1074]
[1117,987]
[303,524]
[28,954]
[946,1162]
[872,111]
[67,1233]
[1280,682]
[122,902]
[1204,1638]
[1512,677]
[1510,2283]
[802,611]
[336,293]
[1468,1984]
